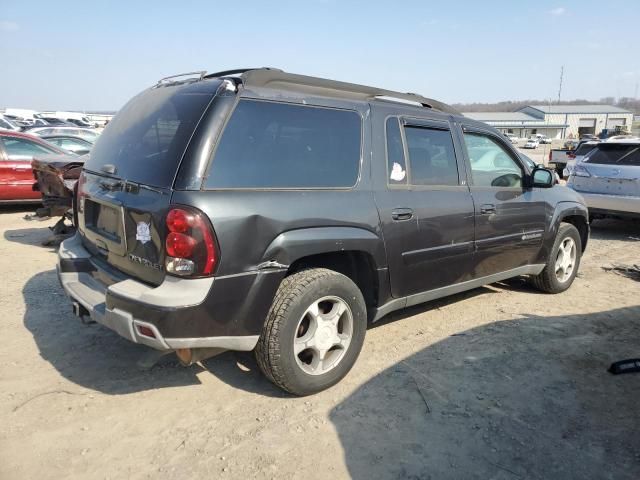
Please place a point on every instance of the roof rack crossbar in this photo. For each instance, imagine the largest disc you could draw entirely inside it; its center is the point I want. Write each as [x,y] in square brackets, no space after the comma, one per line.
[200,73]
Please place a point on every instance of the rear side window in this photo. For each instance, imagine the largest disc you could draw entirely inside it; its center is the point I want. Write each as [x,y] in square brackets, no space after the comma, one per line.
[615,154]
[432,159]
[277,145]
[396,166]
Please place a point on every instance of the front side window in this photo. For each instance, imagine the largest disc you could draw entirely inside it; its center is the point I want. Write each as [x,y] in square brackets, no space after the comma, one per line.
[432,159]
[491,164]
[277,145]
[20,147]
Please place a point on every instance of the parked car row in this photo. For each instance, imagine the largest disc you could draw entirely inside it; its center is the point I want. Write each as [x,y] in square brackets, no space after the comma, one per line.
[17,152]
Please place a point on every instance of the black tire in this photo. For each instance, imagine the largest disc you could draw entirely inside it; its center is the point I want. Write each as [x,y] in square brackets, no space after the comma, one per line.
[274,351]
[547,281]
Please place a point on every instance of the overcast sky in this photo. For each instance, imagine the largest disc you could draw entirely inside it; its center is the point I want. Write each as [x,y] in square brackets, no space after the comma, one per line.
[91,55]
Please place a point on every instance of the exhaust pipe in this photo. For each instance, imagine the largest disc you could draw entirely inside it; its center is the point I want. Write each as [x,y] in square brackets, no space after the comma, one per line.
[189,356]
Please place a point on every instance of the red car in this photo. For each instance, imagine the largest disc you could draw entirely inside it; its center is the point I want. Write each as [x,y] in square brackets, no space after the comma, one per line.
[16,176]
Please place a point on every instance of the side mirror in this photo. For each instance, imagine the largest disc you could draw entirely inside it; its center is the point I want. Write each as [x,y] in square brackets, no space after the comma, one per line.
[542,178]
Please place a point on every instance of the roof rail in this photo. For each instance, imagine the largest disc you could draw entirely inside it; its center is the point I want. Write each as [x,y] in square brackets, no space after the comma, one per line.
[236,71]
[200,73]
[274,78]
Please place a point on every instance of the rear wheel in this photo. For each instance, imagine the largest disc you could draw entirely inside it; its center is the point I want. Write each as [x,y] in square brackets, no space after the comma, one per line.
[314,331]
[563,262]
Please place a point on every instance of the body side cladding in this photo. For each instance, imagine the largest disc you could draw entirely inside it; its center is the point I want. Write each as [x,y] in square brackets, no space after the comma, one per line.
[292,245]
[563,210]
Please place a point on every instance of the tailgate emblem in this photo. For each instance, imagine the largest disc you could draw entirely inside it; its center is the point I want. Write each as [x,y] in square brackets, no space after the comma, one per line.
[143,232]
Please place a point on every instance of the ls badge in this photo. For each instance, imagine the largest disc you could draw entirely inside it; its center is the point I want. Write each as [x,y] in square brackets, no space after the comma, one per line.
[143,232]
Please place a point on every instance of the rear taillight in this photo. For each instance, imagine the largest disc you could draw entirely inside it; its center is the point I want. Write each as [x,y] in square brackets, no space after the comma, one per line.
[571,155]
[190,243]
[549,156]
[580,171]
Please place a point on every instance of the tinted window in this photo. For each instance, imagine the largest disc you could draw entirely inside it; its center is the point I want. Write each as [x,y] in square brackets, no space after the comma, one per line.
[20,147]
[584,149]
[432,160]
[145,141]
[491,164]
[274,145]
[615,154]
[396,166]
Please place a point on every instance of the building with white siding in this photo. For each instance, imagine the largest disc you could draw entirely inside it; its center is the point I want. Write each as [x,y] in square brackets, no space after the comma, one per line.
[581,119]
[558,121]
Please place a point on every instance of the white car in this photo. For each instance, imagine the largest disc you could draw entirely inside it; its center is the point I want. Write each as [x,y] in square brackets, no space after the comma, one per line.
[7,124]
[531,143]
[608,178]
[575,157]
[512,138]
[89,133]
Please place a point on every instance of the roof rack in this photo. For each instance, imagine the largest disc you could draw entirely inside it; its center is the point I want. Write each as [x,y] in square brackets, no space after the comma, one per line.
[200,73]
[274,78]
[236,71]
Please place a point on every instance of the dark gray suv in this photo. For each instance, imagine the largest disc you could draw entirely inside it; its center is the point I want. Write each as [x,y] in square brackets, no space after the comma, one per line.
[266,211]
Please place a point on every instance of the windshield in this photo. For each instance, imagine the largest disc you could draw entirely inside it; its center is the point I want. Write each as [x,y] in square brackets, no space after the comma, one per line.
[145,141]
[615,154]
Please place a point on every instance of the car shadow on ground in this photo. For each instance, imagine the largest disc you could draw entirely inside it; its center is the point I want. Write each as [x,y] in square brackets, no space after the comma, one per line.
[34,236]
[524,398]
[614,229]
[96,358]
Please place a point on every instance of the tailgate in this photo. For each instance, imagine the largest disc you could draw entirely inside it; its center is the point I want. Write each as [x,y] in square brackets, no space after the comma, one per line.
[609,179]
[122,224]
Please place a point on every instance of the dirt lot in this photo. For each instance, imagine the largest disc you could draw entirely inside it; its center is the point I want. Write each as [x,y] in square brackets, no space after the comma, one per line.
[501,382]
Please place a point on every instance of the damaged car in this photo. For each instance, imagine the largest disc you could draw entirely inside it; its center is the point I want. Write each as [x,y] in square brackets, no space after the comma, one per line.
[259,210]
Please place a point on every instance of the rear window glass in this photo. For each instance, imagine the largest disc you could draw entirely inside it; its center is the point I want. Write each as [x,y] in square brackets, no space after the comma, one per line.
[615,154]
[584,149]
[145,141]
[276,145]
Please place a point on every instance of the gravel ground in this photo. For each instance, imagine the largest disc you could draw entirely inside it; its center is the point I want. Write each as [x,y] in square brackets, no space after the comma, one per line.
[501,382]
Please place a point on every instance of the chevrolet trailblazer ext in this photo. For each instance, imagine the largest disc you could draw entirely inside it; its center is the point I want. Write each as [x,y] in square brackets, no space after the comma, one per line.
[261,210]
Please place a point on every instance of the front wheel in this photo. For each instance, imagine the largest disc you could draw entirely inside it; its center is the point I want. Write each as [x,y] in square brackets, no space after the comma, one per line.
[314,331]
[563,262]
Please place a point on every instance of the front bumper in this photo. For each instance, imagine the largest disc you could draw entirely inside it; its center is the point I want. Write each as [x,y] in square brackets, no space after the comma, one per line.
[612,203]
[221,312]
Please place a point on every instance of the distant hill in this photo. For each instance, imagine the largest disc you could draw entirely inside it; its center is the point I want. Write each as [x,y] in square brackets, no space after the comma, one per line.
[631,104]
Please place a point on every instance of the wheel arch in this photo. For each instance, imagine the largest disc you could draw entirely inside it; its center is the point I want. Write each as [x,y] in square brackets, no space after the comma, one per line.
[354,252]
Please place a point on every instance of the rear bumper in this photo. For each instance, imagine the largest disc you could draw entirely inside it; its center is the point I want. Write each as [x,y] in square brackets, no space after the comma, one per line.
[221,312]
[612,203]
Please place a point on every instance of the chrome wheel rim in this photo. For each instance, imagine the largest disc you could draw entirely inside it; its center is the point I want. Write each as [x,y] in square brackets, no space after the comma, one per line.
[323,335]
[565,260]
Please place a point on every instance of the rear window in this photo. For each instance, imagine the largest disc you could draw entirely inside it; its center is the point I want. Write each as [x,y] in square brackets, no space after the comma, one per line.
[615,154]
[584,149]
[147,138]
[277,145]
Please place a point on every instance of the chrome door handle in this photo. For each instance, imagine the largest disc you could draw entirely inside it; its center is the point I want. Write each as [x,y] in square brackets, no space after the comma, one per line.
[402,214]
[487,209]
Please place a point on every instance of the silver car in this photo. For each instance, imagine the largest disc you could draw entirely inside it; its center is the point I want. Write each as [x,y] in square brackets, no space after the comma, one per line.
[609,179]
